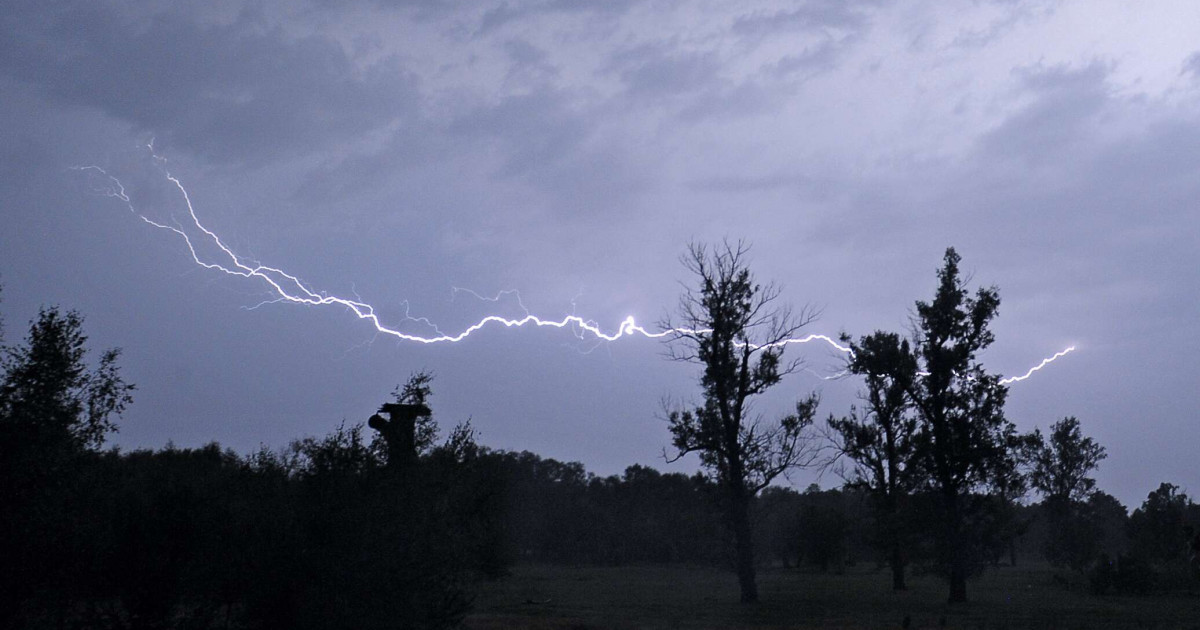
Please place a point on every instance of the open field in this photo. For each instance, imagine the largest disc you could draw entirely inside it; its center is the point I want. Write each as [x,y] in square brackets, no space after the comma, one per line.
[553,597]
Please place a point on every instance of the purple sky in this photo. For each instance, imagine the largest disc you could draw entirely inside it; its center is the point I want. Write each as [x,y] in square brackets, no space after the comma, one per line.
[395,150]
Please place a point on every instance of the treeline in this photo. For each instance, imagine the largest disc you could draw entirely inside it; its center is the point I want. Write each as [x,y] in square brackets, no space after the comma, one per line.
[330,532]
[393,529]
[556,512]
[321,535]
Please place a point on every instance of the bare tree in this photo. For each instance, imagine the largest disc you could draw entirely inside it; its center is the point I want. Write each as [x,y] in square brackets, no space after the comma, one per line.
[736,329]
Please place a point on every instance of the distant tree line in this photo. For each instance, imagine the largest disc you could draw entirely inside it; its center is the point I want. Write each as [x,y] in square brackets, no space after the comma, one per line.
[395,528]
[327,533]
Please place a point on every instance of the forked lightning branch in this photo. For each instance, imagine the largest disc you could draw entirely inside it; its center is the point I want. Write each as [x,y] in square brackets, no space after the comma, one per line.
[288,288]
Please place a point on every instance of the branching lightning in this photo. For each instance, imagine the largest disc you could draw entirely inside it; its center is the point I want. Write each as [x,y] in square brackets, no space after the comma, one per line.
[1047,361]
[287,288]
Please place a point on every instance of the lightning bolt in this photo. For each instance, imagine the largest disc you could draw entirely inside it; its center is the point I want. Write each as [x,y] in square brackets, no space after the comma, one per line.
[1047,361]
[288,288]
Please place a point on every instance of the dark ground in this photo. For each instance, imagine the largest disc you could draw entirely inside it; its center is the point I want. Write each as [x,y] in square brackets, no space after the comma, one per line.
[554,597]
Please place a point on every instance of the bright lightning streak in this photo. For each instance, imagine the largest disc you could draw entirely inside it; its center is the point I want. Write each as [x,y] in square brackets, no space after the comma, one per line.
[289,288]
[1044,363]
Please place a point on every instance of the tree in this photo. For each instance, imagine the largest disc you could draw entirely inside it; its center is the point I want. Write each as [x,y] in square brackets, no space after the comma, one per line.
[54,408]
[882,442]
[416,391]
[1060,470]
[49,399]
[967,448]
[1157,529]
[734,328]
[1060,467]
[823,527]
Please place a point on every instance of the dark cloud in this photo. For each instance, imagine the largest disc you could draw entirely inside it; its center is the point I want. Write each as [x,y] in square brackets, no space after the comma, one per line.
[1016,13]
[228,91]
[670,75]
[657,71]
[751,183]
[552,142]
[1065,104]
[1191,65]
[530,64]
[570,151]
[809,16]
[694,86]
[508,12]
[813,59]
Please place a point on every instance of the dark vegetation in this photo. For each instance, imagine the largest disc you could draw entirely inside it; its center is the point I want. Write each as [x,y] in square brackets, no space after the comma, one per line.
[400,528]
[734,328]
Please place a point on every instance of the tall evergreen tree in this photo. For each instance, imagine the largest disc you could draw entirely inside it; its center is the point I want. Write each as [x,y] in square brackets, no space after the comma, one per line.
[966,446]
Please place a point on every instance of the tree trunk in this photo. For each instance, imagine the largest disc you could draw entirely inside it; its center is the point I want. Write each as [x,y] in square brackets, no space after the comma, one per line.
[955,544]
[958,587]
[897,562]
[958,581]
[744,543]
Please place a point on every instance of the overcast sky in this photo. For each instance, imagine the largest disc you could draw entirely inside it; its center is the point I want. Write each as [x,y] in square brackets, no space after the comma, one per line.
[393,150]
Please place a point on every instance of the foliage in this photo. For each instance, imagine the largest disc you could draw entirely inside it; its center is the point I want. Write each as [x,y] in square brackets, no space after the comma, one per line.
[416,391]
[933,426]
[966,448]
[556,512]
[320,535]
[54,410]
[49,398]
[732,326]
[1060,469]
[1124,575]
[1161,546]
[882,442]
[1158,529]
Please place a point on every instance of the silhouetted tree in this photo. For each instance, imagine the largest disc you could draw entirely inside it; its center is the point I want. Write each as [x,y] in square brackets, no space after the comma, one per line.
[777,526]
[882,442]
[1060,466]
[823,527]
[1157,529]
[733,327]
[1060,469]
[967,448]
[409,430]
[557,512]
[54,409]
[51,402]
[1112,517]
[416,391]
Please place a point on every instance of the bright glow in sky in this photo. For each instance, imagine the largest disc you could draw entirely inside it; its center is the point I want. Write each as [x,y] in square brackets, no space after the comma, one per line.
[394,150]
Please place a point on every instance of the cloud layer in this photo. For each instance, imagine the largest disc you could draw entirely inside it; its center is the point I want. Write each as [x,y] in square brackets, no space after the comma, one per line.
[570,150]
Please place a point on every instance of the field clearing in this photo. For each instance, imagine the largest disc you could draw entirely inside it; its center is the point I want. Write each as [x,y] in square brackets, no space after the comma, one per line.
[556,597]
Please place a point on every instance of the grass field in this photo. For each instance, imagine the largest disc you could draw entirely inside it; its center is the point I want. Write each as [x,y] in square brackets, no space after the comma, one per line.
[555,597]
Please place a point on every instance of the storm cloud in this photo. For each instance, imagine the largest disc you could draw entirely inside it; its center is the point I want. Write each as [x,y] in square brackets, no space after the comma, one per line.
[571,150]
